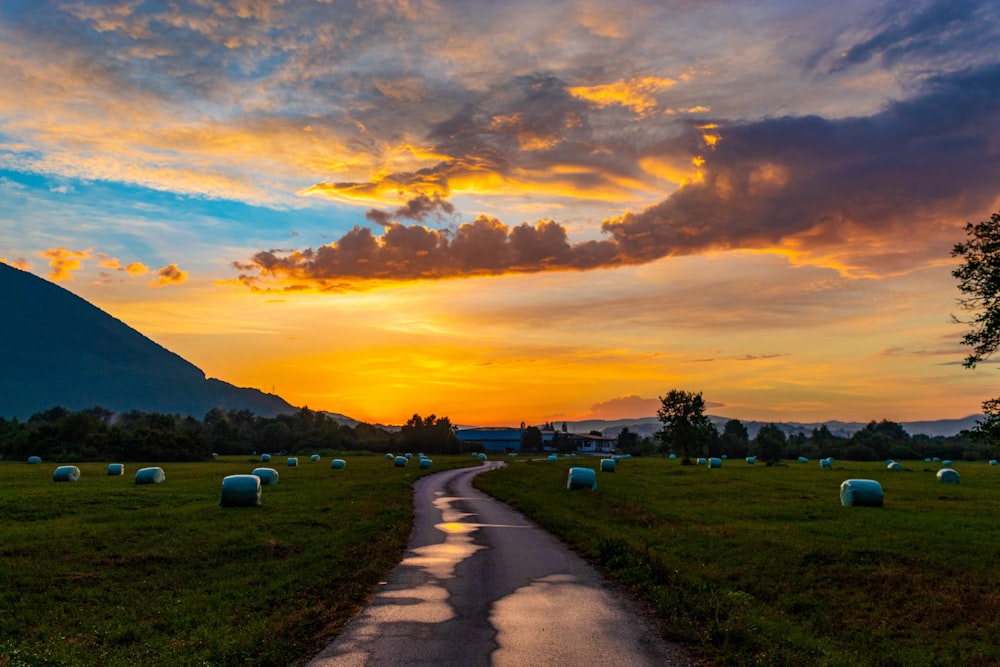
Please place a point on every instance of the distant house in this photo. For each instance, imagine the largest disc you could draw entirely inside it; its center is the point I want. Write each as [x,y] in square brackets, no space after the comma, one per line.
[492,439]
[507,439]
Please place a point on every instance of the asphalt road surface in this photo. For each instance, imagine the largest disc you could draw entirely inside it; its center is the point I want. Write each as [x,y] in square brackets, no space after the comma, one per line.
[481,585]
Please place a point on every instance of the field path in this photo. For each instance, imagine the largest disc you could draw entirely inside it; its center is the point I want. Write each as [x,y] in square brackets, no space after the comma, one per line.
[481,585]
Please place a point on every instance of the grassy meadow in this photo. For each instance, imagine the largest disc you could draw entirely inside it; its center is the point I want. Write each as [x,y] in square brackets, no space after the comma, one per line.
[755,565]
[104,572]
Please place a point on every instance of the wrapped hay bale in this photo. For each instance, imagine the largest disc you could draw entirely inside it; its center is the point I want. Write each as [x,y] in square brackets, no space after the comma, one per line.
[803,459]
[512,454]
[314,458]
[293,462]
[409,456]
[993,462]
[66,474]
[425,463]
[152,475]
[826,463]
[240,491]
[946,463]
[553,457]
[861,493]
[115,469]
[751,460]
[389,457]
[715,462]
[34,460]
[338,464]
[400,461]
[581,478]
[264,458]
[607,465]
[947,476]
[482,457]
[267,476]
[702,461]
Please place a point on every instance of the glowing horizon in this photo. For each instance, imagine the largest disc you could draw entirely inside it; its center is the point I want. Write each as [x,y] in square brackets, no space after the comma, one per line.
[517,213]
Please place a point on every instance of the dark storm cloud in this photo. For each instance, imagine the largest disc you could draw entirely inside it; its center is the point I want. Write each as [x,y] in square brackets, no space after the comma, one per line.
[823,181]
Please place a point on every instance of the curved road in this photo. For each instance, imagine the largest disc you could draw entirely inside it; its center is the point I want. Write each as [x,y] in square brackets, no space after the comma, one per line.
[480,585]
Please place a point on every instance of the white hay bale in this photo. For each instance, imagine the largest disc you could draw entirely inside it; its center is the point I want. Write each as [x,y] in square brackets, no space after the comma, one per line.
[803,459]
[861,493]
[425,463]
[927,460]
[715,462]
[409,456]
[264,458]
[702,461]
[895,465]
[948,476]
[936,459]
[116,469]
[338,464]
[993,462]
[725,456]
[151,475]
[946,463]
[826,463]
[511,454]
[314,458]
[66,474]
[751,460]
[240,491]
[607,465]
[672,457]
[400,461]
[267,476]
[482,457]
[553,457]
[293,462]
[581,478]
[389,457]
[34,460]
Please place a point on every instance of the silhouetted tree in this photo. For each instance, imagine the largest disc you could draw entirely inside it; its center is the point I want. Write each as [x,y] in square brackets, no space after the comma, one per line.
[531,439]
[735,439]
[769,444]
[686,428]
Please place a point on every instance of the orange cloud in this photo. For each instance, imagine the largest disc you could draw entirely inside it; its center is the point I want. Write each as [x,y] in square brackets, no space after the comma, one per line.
[168,275]
[64,261]
[133,269]
[19,263]
[636,93]
[624,407]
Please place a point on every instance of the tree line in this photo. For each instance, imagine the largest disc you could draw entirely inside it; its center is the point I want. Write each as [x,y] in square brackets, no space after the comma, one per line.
[687,432]
[97,434]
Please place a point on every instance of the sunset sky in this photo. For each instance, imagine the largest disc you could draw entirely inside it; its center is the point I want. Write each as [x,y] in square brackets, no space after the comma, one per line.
[517,211]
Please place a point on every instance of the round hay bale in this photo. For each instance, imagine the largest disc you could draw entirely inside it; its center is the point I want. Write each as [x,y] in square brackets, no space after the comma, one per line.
[751,460]
[936,459]
[895,465]
[267,476]
[338,464]
[803,459]
[389,457]
[672,457]
[482,457]
[264,458]
[425,463]
[512,454]
[725,456]
[715,462]
[314,458]
[947,476]
[152,475]
[293,462]
[240,491]
[993,462]
[861,493]
[34,460]
[927,460]
[66,474]
[116,469]
[409,456]
[553,457]
[702,461]
[607,465]
[946,463]
[581,478]
[400,461]
[826,463]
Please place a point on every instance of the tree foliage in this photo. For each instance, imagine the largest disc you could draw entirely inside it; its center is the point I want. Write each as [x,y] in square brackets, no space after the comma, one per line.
[979,282]
[686,428]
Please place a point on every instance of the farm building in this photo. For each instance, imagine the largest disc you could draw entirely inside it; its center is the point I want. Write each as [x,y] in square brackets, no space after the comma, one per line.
[508,439]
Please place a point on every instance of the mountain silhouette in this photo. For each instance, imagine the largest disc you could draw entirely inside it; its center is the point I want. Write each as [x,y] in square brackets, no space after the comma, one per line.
[57,349]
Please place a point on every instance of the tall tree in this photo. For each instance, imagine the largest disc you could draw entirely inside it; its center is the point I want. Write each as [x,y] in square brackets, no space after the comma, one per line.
[770,443]
[979,282]
[735,439]
[686,428]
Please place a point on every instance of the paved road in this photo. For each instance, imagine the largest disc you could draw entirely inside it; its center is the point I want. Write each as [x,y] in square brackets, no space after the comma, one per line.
[480,585]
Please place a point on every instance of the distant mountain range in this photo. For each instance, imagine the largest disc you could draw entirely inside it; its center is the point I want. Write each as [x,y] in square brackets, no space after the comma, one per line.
[649,425]
[57,349]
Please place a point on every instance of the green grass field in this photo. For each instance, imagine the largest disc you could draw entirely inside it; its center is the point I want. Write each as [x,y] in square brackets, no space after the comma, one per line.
[104,572]
[750,565]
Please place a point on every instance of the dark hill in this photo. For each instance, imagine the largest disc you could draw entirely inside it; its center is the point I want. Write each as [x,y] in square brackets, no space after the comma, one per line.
[57,349]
